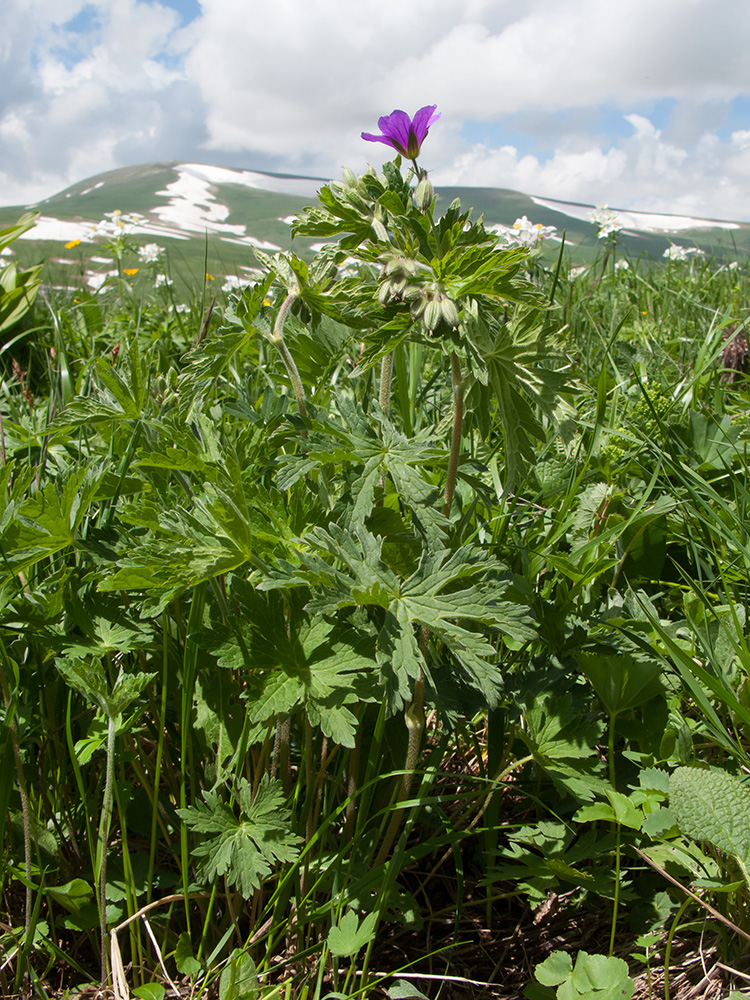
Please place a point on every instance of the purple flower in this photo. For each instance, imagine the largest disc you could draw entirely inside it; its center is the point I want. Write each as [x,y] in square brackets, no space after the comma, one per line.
[405,134]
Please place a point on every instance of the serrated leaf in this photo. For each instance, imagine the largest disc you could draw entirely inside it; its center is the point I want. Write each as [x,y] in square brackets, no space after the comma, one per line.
[712,805]
[243,848]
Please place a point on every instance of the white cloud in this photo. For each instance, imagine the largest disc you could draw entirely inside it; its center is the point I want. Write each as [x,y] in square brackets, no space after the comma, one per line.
[291,87]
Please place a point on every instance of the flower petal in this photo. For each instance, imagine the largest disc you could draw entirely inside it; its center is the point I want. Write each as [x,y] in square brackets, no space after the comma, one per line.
[396,126]
[423,119]
[377,138]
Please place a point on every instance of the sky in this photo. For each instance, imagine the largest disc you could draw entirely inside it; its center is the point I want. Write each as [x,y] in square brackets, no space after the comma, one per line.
[636,104]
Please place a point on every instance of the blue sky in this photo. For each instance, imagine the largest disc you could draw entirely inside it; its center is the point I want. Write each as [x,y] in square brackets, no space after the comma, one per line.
[641,104]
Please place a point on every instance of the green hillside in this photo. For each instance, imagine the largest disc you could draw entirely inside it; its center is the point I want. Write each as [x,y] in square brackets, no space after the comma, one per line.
[208,219]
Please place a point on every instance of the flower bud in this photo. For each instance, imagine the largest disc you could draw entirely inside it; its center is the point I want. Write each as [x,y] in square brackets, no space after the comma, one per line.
[384,293]
[380,231]
[433,314]
[449,312]
[423,195]
[350,178]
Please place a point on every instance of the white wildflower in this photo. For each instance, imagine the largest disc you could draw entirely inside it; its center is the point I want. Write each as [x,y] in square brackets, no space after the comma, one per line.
[622,265]
[609,222]
[162,280]
[676,252]
[524,233]
[150,253]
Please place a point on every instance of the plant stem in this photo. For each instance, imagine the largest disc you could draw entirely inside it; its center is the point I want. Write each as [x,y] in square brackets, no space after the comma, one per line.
[386,374]
[414,719]
[458,415]
[277,338]
[23,796]
[104,837]
[616,901]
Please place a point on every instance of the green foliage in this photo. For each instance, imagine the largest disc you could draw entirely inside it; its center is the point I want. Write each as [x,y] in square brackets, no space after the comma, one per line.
[18,288]
[592,977]
[714,806]
[350,935]
[411,568]
[243,848]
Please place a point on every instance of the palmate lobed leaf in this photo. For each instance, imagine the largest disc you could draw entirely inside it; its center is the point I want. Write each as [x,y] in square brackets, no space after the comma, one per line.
[243,849]
[354,574]
[291,660]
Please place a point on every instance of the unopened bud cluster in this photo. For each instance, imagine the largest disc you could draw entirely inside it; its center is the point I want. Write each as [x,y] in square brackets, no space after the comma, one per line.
[401,281]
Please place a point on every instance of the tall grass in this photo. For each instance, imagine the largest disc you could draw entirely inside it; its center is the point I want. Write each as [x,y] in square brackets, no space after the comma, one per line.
[297,673]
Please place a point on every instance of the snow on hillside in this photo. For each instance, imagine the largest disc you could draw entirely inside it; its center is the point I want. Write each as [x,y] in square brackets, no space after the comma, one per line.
[644,222]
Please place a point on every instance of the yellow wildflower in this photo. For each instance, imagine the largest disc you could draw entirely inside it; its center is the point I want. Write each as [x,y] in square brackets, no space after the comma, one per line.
[71,244]
[130,271]
[210,277]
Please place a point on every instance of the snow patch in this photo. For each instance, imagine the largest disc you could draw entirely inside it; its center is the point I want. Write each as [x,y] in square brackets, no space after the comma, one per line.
[305,187]
[645,222]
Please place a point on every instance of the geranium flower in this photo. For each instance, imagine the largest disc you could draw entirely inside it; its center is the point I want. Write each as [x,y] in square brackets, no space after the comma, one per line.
[405,134]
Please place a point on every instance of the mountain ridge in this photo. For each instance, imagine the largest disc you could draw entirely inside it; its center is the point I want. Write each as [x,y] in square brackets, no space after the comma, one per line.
[217,215]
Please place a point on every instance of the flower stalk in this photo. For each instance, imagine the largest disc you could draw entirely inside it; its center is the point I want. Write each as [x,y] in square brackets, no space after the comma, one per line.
[458,415]
[277,339]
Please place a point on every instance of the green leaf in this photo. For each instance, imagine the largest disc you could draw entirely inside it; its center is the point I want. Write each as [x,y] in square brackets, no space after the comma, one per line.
[401,989]
[294,660]
[622,679]
[150,991]
[712,805]
[186,964]
[239,978]
[555,969]
[593,977]
[351,935]
[244,848]
[73,895]
[87,676]
[346,569]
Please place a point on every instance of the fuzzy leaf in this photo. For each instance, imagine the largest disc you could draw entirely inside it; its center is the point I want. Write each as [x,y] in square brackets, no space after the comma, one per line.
[712,805]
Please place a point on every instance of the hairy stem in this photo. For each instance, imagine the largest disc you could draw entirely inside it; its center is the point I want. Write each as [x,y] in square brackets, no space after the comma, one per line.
[458,416]
[277,338]
[415,721]
[386,377]
[386,374]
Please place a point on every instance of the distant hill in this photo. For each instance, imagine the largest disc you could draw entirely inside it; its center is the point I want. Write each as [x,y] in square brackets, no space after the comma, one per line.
[210,218]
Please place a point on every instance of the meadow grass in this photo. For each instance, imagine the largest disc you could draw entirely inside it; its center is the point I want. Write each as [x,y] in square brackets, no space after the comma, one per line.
[332,642]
